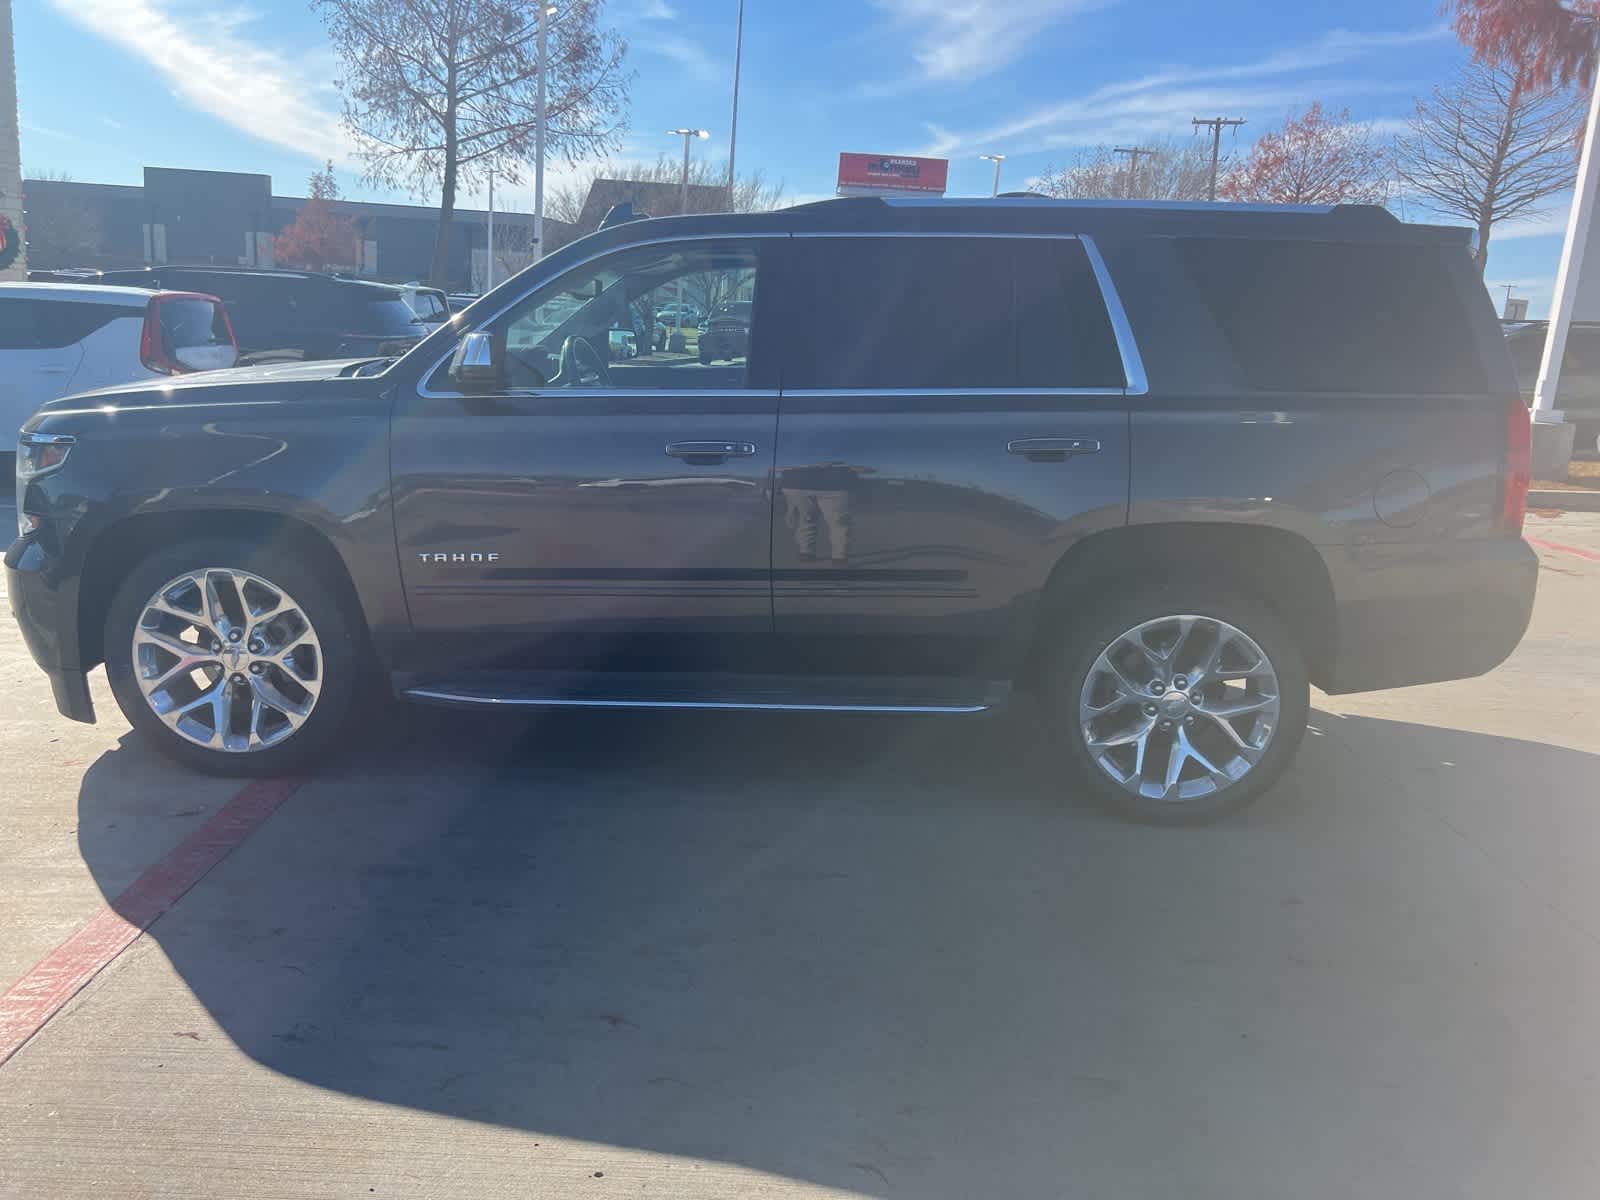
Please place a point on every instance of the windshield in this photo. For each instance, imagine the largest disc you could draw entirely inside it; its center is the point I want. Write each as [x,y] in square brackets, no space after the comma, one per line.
[388,317]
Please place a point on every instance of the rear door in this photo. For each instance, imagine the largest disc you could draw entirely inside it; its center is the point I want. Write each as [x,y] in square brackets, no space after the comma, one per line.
[952,419]
[608,506]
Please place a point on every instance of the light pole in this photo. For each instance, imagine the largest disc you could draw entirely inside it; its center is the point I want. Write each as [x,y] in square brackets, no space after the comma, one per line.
[687,135]
[545,13]
[488,269]
[733,125]
[996,159]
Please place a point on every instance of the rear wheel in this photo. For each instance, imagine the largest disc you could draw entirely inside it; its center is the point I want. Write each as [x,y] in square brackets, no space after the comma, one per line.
[1183,703]
[229,658]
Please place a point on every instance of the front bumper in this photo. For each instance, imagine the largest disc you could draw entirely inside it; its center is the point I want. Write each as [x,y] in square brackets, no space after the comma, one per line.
[1408,614]
[46,610]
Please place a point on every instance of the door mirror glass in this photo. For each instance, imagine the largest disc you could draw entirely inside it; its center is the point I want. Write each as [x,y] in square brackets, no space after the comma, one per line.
[476,365]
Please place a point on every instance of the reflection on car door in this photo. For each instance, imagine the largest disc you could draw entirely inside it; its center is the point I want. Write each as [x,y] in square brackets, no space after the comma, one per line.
[935,460]
[569,520]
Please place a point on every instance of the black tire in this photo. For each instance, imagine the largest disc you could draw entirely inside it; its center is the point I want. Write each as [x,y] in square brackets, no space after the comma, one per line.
[341,666]
[1082,635]
[705,359]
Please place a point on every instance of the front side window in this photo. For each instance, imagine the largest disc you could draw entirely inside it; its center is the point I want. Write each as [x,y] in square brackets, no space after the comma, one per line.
[629,320]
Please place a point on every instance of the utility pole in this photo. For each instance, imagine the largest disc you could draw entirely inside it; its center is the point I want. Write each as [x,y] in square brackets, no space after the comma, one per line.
[546,11]
[733,125]
[1133,153]
[1216,124]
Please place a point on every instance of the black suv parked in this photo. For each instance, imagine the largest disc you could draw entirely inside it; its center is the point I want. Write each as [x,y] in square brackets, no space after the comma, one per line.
[1166,465]
[293,315]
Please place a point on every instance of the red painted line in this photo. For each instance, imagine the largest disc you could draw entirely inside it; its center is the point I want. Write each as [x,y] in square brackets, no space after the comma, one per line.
[1575,551]
[63,973]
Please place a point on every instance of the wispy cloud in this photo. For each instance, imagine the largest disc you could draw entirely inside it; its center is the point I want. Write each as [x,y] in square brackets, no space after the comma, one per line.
[221,61]
[1163,100]
[1551,222]
[697,62]
[959,40]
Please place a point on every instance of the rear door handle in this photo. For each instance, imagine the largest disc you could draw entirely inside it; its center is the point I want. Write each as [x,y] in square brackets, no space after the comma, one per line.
[1052,449]
[707,453]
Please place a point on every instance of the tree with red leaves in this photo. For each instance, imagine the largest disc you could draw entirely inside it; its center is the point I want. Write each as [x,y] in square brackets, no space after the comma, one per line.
[1316,158]
[1553,42]
[319,239]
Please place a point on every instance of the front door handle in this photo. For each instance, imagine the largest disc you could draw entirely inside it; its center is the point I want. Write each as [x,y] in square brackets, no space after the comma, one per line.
[709,453]
[1052,449]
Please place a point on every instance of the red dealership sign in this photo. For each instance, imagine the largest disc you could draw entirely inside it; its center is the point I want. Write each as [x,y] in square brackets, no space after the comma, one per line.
[892,173]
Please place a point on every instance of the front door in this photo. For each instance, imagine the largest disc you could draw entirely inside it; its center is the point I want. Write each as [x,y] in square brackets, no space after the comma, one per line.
[607,507]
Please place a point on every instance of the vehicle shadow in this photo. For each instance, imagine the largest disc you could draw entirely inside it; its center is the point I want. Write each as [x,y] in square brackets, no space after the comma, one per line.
[888,956]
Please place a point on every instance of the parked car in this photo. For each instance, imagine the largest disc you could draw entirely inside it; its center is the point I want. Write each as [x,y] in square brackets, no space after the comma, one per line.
[430,305]
[684,315]
[1579,395]
[58,338]
[1183,462]
[460,300]
[726,333]
[293,315]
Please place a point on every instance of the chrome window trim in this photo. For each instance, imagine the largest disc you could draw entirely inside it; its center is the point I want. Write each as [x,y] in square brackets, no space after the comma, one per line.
[912,392]
[428,393]
[1121,329]
[1132,362]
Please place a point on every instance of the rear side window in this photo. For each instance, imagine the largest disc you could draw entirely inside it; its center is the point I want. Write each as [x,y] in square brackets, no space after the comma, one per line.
[16,325]
[1337,317]
[948,312]
[191,322]
[59,323]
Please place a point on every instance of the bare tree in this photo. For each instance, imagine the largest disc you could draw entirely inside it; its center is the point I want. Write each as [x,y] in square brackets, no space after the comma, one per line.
[1166,170]
[1488,147]
[708,188]
[440,92]
[61,229]
[1316,158]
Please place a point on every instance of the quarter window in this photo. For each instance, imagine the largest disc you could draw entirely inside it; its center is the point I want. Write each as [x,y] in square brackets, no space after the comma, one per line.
[1338,317]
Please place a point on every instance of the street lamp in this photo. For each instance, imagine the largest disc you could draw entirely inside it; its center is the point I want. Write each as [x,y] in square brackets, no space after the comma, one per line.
[545,13]
[687,135]
[996,159]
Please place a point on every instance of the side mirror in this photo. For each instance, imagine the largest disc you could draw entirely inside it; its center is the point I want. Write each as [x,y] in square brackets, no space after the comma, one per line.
[476,366]
[206,358]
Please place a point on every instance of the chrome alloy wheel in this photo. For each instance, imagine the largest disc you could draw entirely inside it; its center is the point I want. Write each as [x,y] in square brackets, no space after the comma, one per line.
[228,660]
[1179,707]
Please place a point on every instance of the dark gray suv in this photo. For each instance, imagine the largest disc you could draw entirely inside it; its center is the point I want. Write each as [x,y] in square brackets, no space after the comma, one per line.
[1165,466]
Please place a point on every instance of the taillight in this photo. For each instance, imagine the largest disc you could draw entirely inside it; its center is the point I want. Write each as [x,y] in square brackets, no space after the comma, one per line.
[153,351]
[1519,465]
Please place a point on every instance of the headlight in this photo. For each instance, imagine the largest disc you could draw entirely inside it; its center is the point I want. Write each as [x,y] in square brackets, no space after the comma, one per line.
[40,453]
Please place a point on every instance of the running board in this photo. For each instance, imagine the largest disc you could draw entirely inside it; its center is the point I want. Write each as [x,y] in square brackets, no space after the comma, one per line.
[759,693]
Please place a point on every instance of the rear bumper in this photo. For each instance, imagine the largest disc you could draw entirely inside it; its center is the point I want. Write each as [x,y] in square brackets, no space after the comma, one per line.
[46,611]
[1419,614]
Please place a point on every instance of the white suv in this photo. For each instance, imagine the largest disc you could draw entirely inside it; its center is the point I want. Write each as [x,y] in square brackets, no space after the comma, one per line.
[61,338]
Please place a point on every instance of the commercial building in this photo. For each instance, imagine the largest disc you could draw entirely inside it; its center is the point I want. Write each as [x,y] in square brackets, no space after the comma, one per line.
[226,217]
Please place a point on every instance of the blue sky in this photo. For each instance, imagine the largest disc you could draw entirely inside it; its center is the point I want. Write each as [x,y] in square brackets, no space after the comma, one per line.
[109,86]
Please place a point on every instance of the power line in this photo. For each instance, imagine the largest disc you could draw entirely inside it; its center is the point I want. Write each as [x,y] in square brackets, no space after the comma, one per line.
[1133,153]
[1216,124]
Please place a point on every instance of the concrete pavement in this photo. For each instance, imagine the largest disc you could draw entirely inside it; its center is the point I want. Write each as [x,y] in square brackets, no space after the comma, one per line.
[751,956]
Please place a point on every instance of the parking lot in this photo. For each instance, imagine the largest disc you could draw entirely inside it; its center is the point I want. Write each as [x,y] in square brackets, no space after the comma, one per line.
[759,956]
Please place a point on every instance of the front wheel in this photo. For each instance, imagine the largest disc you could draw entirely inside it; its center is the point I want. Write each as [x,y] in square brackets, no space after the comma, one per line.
[1184,703]
[230,658]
